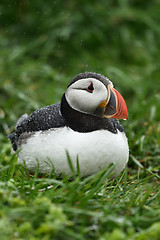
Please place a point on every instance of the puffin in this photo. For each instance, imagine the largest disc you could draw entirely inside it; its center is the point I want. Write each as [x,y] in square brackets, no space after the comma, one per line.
[83,127]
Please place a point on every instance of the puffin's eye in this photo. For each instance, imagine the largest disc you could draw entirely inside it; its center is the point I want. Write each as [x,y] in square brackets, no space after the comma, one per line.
[90,88]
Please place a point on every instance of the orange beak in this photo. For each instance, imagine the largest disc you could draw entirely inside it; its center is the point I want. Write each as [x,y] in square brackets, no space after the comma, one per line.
[116,106]
[121,107]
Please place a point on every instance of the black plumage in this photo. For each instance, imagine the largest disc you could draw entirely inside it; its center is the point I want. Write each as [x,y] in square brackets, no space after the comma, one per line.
[42,119]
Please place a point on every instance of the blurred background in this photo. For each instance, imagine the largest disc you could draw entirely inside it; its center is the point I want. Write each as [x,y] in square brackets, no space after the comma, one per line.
[44,44]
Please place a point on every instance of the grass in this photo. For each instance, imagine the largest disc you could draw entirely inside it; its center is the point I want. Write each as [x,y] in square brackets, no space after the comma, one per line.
[90,208]
[42,46]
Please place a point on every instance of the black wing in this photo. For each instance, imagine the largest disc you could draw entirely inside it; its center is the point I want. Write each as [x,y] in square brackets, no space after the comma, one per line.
[41,119]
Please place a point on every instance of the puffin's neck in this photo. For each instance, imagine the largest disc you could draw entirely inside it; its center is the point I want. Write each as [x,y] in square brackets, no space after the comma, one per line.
[82,122]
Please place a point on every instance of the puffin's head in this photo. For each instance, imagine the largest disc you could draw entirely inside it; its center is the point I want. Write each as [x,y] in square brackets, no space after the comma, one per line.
[93,94]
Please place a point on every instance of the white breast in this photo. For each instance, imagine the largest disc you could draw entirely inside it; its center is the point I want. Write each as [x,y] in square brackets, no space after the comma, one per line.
[95,151]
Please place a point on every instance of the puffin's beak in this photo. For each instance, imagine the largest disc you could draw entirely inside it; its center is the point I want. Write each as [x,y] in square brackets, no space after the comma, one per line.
[116,106]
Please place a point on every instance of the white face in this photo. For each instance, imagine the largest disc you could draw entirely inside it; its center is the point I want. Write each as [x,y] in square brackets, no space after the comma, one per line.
[85,95]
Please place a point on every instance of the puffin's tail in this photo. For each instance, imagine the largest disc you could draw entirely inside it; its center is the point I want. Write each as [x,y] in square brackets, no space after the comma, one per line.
[14,140]
[14,136]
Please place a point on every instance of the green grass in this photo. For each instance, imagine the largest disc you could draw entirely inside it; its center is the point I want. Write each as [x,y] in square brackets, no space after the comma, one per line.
[42,46]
